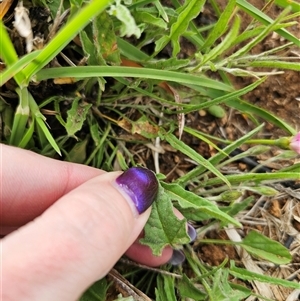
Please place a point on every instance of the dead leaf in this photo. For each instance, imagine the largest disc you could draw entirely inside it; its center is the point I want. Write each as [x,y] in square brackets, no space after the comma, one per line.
[4,7]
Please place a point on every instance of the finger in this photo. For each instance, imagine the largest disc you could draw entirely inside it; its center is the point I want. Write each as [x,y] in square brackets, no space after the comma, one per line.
[77,240]
[24,173]
[143,254]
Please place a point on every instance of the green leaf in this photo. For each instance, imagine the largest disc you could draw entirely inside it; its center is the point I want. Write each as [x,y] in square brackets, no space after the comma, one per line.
[275,64]
[219,156]
[17,67]
[96,292]
[90,51]
[187,289]
[254,177]
[8,54]
[263,18]
[113,71]
[221,25]
[105,40]
[64,36]
[217,111]
[222,291]
[78,153]
[240,206]
[42,126]
[248,108]
[231,97]
[128,27]
[262,190]
[169,64]
[188,12]
[188,199]
[261,246]
[185,149]
[163,227]
[226,42]
[165,290]
[150,19]
[251,276]
[76,116]
[161,10]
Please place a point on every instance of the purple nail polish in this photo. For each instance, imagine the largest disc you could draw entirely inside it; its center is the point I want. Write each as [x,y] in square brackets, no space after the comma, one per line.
[191,231]
[177,258]
[141,185]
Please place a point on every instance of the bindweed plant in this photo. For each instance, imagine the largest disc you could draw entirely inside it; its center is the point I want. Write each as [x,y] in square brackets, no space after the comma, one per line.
[132,94]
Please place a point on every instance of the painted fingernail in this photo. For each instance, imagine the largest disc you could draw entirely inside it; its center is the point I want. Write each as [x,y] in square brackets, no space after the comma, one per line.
[191,232]
[141,185]
[177,258]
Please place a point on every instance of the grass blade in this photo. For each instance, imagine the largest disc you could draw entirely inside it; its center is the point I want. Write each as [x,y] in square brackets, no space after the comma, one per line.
[112,71]
[185,149]
[65,35]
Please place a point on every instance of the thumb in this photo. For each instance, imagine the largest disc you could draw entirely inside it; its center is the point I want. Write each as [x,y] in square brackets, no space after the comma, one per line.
[78,239]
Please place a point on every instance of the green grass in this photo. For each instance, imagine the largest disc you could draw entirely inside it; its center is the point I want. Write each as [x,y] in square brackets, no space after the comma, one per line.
[91,46]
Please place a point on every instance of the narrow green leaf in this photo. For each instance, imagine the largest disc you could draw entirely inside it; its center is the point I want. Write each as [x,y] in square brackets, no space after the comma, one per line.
[284,3]
[165,290]
[257,39]
[21,117]
[41,124]
[260,16]
[16,67]
[113,71]
[8,54]
[130,51]
[254,177]
[168,64]
[161,10]
[27,135]
[227,98]
[163,227]
[188,151]
[251,276]
[219,156]
[221,289]
[238,207]
[188,199]
[221,25]
[266,248]
[276,64]
[262,190]
[65,35]
[248,108]
[188,12]
[226,42]
[145,17]
[187,289]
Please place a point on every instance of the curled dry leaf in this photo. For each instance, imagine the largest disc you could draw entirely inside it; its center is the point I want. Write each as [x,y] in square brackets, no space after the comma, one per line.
[4,7]
[23,25]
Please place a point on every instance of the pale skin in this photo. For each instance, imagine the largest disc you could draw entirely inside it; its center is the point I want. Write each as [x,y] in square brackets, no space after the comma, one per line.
[65,227]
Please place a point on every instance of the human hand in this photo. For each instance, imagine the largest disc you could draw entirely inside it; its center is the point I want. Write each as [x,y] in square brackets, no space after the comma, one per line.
[68,225]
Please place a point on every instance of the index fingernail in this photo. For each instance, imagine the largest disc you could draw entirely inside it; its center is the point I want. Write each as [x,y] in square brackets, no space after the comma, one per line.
[141,185]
